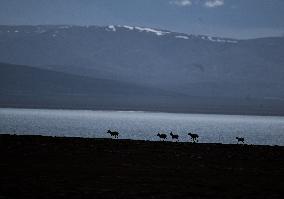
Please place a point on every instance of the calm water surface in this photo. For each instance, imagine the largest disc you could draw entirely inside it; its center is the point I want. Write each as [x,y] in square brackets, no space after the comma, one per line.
[143,125]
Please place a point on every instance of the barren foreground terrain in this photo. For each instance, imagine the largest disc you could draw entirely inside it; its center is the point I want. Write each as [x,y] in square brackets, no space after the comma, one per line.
[53,167]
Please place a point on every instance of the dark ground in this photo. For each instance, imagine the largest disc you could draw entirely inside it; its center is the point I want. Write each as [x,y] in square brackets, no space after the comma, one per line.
[48,167]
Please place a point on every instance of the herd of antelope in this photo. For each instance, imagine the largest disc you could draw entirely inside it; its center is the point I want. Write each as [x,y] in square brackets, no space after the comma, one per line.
[175,137]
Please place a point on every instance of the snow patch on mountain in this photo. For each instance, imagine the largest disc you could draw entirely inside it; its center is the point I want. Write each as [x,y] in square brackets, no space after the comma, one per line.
[112,28]
[214,39]
[128,27]
[157,32]
[182,37]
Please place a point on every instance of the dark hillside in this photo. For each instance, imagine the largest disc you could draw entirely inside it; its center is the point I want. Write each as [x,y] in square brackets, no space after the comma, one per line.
[47,167]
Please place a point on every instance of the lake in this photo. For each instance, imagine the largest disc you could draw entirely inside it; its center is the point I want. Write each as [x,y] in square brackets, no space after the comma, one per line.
[264,130]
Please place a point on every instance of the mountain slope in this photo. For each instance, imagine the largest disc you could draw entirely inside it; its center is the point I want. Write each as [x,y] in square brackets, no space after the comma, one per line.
[29,86]
[158,58]
[24,86]
[210,71]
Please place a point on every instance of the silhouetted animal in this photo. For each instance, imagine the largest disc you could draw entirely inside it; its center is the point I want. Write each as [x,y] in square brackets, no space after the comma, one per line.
[113,133]
[162,136]
[174,136]
[194,137]
[240,139]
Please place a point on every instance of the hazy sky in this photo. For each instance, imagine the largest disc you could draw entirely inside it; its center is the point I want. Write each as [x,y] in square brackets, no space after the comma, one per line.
[230,18]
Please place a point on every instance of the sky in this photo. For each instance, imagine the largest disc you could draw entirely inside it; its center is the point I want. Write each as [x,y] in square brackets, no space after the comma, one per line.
[226,18]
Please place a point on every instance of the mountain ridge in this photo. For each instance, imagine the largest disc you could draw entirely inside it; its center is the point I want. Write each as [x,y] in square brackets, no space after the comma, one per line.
[247,71]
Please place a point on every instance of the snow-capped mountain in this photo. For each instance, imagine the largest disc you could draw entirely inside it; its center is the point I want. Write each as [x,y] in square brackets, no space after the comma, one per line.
[192,65]
[57,30]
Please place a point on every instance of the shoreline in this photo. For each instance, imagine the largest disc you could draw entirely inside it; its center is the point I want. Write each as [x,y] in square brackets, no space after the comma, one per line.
[150,110]
[69,167]
[140,111]
[167,141]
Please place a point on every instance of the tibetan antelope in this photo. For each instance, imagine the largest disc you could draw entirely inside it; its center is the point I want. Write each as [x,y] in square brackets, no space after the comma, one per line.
[194,137]
[162,136]
[113,133]
[174,136]
[240,139]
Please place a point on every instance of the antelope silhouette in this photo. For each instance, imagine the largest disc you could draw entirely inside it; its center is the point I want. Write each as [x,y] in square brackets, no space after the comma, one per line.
[174,136]
[113,133]
[162,136]
[194,137]
[240,139]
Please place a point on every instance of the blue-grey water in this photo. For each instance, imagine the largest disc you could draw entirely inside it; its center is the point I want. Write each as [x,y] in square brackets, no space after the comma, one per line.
[264,130]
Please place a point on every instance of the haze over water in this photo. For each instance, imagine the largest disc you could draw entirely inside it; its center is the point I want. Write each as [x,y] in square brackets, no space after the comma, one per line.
[264,130]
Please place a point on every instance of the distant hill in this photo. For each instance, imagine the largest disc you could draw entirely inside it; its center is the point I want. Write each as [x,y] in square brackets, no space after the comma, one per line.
[198,72]
[28,86]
